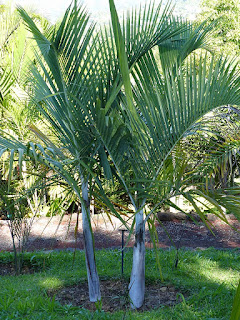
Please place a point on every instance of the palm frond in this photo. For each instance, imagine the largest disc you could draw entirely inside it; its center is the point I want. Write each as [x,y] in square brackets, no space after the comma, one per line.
[6,82]
[169,105]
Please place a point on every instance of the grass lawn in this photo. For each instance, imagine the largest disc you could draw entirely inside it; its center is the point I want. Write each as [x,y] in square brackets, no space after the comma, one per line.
[208,278]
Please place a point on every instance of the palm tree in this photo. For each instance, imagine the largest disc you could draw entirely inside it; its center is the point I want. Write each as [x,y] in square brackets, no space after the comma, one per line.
[77,91]
[77,85]
[161,106]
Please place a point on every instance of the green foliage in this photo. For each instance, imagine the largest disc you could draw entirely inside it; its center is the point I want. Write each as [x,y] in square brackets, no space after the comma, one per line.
[105,96]
[38,262]
[126,127]
[235,315]
[226,32]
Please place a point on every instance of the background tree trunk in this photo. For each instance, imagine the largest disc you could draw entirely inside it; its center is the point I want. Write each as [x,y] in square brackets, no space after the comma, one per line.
[93,279]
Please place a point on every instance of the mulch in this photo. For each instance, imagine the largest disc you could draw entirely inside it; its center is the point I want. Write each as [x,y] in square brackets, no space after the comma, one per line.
[196,235]
[115,296]
[48,234]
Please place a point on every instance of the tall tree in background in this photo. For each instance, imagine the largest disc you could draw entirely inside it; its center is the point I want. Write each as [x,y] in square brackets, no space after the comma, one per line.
[226,33]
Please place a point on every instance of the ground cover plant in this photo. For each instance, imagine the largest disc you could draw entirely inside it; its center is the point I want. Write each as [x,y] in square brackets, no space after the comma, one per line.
[205,281]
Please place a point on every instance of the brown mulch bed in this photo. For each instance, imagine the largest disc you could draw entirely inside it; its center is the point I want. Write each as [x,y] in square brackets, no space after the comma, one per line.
[197,235]
[115,296]
[7,269]
[49,235]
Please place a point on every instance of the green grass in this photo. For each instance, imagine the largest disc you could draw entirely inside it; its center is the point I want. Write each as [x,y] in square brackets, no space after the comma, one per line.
[208,277]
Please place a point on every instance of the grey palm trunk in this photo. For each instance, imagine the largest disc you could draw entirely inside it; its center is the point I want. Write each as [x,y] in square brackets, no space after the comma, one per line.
[92,274]
[137,280]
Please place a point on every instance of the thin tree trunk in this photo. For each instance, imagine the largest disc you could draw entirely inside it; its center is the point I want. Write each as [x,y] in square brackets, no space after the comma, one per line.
[137,280]
[93,279]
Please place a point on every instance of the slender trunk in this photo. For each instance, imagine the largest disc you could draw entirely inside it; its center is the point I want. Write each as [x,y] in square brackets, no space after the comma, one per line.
[93,279]
[24,169]
[137,280]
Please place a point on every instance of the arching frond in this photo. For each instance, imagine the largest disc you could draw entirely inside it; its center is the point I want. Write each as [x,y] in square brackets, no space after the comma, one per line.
[169,105]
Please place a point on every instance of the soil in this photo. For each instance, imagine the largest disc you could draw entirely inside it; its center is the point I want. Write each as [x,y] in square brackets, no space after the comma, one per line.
[188,234]
[7,269]
[115,296]
[59,234]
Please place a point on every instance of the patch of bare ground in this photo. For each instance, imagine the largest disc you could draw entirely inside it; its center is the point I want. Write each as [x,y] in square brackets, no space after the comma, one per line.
[59,234]
[186,233]
[7,269]
[115,296]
